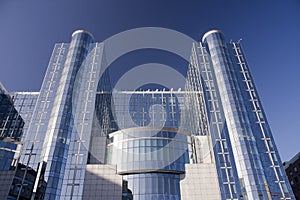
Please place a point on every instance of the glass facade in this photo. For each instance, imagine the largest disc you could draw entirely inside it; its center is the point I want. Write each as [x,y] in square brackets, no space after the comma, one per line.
[258,166]
[11,131]
[202,77]
[154,186]
[151,150]
[11,123]
[24,103]
[84,140]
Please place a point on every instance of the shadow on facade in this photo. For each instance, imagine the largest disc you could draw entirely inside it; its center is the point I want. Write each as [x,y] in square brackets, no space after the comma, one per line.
[103,182]
[23,183]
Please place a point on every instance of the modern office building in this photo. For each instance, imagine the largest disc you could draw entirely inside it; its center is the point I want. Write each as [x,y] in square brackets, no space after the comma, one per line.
[208,141]
[292,169]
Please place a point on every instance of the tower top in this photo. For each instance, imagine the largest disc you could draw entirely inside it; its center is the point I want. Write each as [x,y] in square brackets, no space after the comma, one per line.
[82,31]
[210,32]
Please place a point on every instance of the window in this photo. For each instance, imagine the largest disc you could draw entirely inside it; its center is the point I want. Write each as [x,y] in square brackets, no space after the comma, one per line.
[295,169]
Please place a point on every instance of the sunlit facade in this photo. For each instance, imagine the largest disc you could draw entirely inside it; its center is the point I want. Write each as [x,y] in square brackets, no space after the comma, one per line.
[246,156]
[210,140]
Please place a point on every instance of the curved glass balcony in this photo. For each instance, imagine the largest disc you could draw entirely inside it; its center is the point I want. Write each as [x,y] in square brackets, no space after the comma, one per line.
[148,149]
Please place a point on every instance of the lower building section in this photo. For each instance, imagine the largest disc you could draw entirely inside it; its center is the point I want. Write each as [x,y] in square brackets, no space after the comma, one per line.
[143,175]
[154,186]
[200,181]
[102,182]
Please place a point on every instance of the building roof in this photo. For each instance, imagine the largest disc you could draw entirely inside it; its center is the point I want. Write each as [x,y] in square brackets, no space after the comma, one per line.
[294,159]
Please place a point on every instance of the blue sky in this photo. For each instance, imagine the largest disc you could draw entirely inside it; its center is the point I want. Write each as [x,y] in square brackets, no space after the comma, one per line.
[270,31]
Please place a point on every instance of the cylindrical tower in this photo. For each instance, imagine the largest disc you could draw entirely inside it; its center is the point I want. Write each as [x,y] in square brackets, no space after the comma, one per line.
[248,164]
[54,153]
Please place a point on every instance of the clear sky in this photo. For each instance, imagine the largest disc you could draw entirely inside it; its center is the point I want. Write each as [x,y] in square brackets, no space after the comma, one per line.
[270,31]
